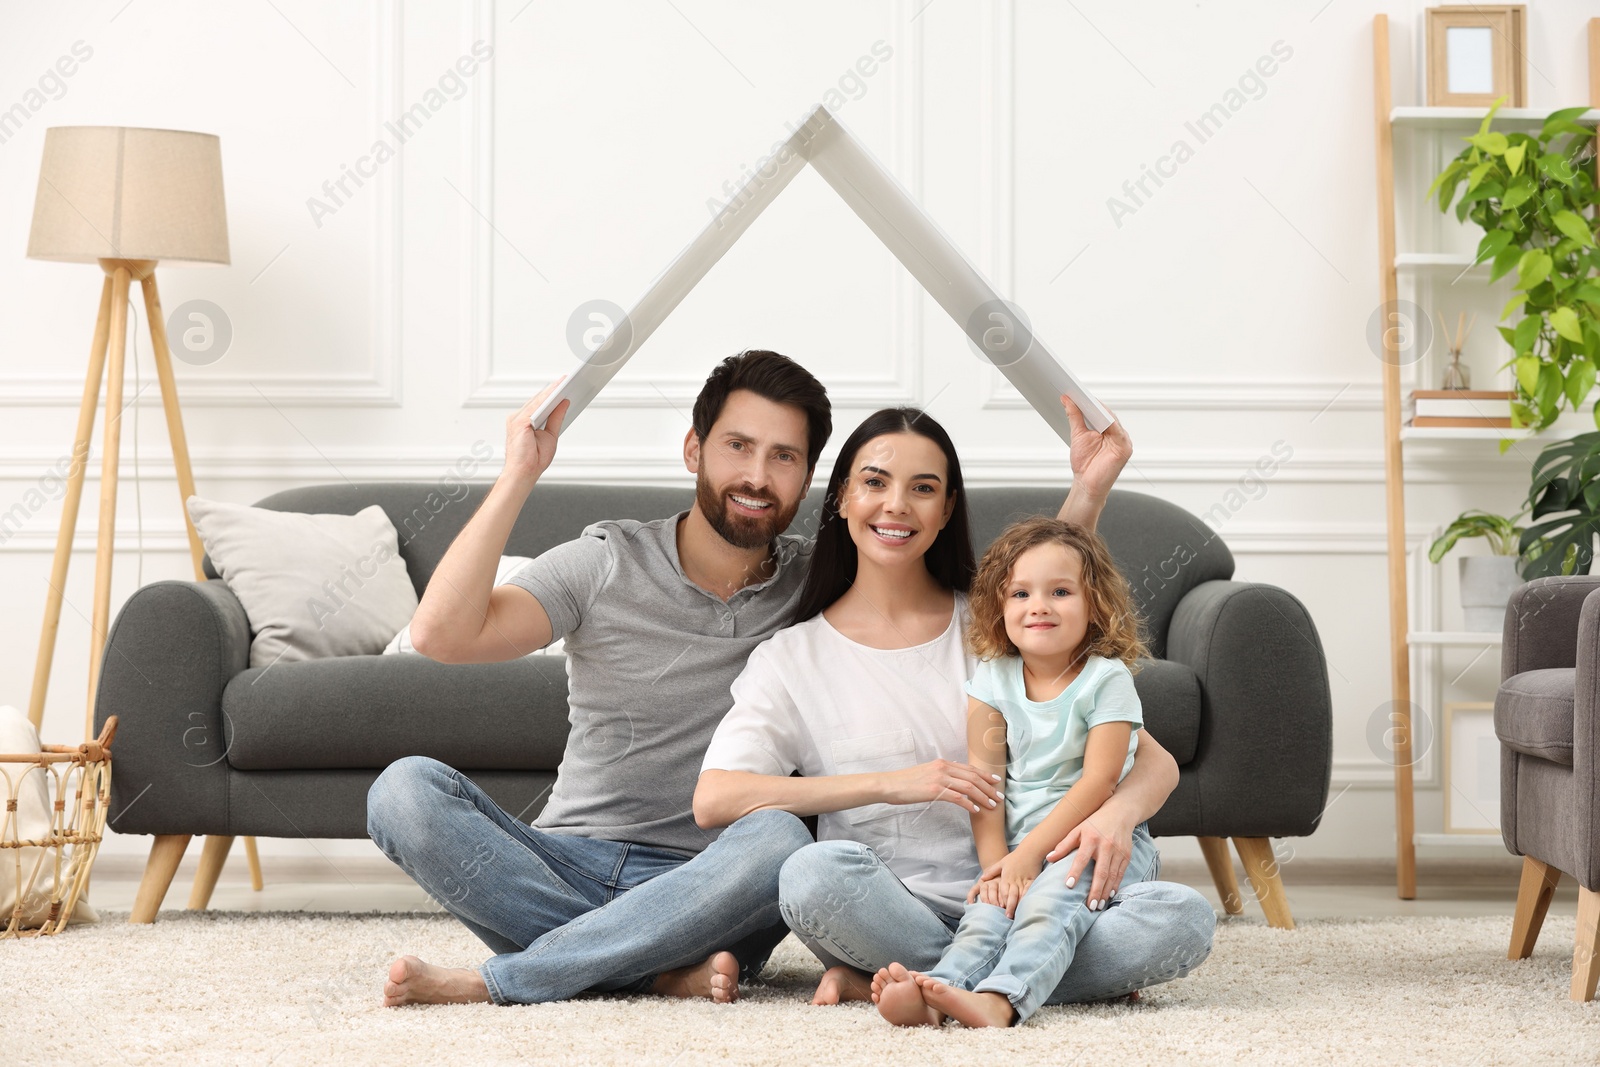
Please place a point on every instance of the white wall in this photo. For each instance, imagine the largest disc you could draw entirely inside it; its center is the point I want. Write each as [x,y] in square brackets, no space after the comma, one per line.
[1223,316]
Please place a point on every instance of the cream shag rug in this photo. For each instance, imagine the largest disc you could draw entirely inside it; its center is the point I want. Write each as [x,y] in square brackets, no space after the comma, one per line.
[300,987]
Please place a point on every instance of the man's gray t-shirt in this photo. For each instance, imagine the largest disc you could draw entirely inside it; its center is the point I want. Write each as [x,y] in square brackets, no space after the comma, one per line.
[651,659]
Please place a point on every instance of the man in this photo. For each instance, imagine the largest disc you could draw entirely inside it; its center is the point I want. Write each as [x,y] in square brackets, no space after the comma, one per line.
[615,889]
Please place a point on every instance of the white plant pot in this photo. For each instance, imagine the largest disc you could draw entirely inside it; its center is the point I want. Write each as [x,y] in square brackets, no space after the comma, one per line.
[1487,583]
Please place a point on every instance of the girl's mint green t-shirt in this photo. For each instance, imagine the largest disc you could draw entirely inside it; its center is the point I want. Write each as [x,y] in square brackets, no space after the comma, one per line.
[1045,742]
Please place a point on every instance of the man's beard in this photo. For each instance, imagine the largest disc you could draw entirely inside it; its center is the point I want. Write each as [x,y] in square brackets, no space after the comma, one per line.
[742,531]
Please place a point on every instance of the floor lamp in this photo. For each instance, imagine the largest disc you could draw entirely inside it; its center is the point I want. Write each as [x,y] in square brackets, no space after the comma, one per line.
[126,198]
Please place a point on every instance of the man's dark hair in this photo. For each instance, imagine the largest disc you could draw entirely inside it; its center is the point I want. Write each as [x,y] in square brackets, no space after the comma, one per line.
[776,378]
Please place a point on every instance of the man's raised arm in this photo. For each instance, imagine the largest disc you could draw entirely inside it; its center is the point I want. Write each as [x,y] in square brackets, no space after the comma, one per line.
[464,617]
[1097,458]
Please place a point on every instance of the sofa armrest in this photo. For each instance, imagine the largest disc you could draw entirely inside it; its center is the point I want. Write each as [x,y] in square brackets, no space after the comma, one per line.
[171,652]
[1541,623]
[1586,722]
[1265,750]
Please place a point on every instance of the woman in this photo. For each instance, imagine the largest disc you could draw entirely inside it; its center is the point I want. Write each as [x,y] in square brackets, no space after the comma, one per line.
[863,697]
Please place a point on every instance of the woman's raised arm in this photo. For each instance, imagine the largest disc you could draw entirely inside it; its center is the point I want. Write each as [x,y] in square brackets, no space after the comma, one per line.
[1097,459]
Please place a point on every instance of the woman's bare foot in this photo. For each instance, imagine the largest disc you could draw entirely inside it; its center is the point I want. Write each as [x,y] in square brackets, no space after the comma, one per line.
[840,984]
[716,978]
[898,994]
[413,982]
[964,1006]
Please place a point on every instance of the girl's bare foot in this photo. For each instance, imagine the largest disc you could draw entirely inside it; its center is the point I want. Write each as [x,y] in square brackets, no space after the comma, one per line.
[716,978]
[964,1006]
[413,982]
[898,994]
[840,984]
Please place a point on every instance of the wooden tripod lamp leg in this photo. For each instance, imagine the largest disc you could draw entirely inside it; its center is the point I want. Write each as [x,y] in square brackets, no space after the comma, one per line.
[169,403]
[69,508]
[185,475]
[101,623]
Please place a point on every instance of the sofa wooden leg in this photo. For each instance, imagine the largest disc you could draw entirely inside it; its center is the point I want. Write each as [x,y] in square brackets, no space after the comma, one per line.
[1538,885]
[1221,863]
[1586,951]
[254,857]
[212,857]
[1262,868]
[165,854]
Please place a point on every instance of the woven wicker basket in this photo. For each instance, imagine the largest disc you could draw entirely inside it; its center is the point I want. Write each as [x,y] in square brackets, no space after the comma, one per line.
[52,872]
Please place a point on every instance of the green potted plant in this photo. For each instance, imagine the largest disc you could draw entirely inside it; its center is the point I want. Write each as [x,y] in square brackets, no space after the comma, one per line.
[1565,497]
[1531,193]
[1487,582]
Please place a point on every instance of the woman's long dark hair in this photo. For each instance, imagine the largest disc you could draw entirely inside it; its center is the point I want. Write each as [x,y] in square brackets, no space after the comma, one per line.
[833,561]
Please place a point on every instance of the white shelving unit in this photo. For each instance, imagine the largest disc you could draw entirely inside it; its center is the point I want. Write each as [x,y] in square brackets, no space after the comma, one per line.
[1466,119]
[1426,257]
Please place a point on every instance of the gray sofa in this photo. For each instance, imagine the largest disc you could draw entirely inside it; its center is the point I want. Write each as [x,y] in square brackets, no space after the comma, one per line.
[1237,689]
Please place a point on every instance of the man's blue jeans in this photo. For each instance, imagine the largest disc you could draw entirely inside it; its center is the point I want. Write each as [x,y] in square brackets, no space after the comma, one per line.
[568,914]
[849,908]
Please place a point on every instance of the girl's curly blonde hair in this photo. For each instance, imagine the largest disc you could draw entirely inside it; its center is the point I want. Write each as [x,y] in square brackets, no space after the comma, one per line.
[1115,628]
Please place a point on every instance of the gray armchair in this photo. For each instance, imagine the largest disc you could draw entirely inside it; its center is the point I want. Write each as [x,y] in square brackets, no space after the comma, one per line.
[1237,690]
[1546,715]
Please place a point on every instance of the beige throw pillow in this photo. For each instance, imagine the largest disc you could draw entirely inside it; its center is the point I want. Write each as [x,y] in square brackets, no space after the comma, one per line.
[508,566]
[313,586]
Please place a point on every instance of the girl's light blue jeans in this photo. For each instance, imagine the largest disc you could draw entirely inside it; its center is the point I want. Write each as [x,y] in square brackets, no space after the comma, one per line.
[1024,958]
[845,904]
[568,914]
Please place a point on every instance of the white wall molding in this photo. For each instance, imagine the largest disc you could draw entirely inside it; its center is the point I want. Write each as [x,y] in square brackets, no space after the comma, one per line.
[1377,775]
[484,385]
[1211,394]
[982,466]
[997,155]
[477,235]
[997,258]
[204,388]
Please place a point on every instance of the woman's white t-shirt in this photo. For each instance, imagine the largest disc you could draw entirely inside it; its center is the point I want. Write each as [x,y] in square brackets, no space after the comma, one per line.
[814,701]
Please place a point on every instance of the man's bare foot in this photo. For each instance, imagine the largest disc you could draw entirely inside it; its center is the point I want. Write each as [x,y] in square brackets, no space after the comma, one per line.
[716,978]
[413,982]
[840,984]
[898,994]
[964,1006]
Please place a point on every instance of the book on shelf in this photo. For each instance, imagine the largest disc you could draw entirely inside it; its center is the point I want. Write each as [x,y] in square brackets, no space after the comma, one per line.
[1461,407]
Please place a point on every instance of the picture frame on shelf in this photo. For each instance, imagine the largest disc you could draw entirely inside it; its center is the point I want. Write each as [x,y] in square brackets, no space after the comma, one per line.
[1471,769]
[1476,55]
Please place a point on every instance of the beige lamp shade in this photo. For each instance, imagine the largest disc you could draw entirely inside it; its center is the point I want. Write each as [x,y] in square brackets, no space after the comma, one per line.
[115,192]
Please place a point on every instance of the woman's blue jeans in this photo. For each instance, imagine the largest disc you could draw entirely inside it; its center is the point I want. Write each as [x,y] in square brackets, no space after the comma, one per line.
[848,907]
[1025,957]
[568,914]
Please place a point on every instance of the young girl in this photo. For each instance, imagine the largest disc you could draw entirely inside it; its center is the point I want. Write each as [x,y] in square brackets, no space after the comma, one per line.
[1054,625]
